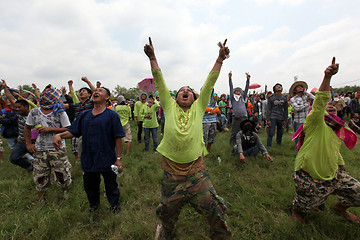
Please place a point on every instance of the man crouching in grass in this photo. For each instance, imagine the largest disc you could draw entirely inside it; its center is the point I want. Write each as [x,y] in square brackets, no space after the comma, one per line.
[319,166]
[185,179]
[101,131]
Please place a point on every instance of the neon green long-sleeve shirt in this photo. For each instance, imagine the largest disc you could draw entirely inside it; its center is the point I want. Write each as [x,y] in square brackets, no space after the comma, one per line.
[320,152]
[74,97]
[183,133]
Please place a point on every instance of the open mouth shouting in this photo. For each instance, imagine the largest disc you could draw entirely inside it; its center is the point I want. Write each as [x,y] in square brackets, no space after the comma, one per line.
[96,96]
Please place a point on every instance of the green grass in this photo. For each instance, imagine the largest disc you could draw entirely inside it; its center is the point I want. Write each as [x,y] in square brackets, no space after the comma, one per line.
[258,194]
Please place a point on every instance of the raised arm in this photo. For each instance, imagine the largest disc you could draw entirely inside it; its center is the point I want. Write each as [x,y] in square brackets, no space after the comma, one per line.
[161,86]
[72,92]
[37,94]
[246,85]
[231,87]
[85,79]
[8,94]
[208,86]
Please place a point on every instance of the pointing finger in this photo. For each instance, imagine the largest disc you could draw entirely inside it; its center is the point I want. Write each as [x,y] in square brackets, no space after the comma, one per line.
[333,60]
[150,42]
[224,42]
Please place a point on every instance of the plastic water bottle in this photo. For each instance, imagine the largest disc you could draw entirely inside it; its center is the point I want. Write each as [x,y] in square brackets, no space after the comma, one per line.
[219,160]
[115,169]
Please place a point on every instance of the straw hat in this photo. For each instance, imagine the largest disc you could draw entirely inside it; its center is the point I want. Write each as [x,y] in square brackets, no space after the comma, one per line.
[295,84]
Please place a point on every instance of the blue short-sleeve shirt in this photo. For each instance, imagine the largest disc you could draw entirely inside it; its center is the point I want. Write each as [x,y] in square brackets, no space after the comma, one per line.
[98,139]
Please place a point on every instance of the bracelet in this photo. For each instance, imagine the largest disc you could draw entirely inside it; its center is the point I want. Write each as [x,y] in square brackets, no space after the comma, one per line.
[152,59]
[118,158]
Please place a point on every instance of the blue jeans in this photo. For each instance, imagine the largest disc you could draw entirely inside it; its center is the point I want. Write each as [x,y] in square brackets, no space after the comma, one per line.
[11,142]
[147,138]
[253,151]
[17,158]
[279,133]
[224,121]
[296,127]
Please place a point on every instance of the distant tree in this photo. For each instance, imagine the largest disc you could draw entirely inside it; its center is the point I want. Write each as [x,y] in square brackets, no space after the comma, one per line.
[131,93]
[347,89]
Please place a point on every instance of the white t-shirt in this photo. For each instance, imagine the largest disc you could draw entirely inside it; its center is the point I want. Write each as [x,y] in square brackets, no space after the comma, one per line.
[45,140]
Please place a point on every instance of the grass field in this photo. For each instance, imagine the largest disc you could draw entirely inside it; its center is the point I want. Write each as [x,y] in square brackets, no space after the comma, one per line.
[258,194]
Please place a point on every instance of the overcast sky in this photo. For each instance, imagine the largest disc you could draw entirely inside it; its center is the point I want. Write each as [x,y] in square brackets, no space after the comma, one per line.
[53,41]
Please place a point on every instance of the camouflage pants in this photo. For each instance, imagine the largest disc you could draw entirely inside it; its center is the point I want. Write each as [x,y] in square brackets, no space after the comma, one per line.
[311,193]
[197,190]
[44,161]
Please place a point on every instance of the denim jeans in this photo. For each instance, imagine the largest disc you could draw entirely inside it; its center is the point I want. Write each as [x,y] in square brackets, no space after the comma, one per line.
[253,151]
[147,138]
[11,142]
[279,133]
[17,154]
[224,121]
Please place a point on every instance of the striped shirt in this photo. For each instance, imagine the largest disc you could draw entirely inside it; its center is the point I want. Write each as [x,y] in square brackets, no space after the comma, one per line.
[21,124]
[80,107]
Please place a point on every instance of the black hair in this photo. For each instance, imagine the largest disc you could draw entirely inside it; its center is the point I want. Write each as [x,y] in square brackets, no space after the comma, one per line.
[107,90]
[87,89]
[22,103]
[186,87]
[275,86]
[247,128]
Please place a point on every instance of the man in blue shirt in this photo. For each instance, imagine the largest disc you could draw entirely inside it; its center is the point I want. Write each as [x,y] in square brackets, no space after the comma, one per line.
[101,131]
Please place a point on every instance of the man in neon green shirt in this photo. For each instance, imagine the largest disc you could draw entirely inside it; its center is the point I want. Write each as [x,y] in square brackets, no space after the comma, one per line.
[319,166]
[139,119]
[185,179]
[124,112]
[150,123]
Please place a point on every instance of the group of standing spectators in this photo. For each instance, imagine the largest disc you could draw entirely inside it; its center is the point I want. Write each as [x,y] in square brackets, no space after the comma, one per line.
[35,133]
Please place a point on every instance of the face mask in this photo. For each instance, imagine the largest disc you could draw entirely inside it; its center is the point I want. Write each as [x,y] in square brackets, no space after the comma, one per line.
[336,99]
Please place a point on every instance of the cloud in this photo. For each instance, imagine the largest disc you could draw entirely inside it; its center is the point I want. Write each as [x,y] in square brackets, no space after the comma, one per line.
[54,41]
[267,48]
[291,3]
[313,52]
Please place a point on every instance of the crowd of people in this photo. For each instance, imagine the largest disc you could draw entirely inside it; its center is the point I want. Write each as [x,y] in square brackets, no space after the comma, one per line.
[35,126]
